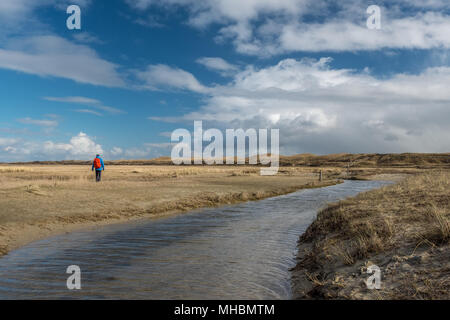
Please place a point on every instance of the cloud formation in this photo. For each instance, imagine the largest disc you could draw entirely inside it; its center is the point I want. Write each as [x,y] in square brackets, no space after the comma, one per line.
[318,108]
[57,57]
[422,31]
[93,103]
[270,27]
[218,64]
[161,76]
[321,109]
[80,147]
[39,122]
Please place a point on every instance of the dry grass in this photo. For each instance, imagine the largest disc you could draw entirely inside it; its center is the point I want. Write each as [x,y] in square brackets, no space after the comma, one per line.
[341,160]
[14,169]
[411,160]
[36,200]
[410,218]
[439,219]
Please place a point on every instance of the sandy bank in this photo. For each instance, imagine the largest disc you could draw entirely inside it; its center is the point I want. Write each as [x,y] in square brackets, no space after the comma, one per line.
[404,229]
[41,201]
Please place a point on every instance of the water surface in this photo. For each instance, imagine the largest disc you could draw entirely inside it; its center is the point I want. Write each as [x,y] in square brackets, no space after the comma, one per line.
[240,251]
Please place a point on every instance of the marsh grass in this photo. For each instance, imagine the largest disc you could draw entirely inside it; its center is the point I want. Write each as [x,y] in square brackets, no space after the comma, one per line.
[69,176]
[60,196]
[368,222]
[439,231]
[12,169]
[409,217]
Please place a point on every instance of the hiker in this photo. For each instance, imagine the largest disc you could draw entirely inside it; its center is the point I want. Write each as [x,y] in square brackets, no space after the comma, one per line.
[98,165]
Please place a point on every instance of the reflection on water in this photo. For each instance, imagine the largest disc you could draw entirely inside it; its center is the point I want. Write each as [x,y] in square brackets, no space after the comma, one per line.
[242,251]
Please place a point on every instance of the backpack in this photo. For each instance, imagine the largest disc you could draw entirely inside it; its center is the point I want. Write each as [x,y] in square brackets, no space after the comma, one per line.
[97,163]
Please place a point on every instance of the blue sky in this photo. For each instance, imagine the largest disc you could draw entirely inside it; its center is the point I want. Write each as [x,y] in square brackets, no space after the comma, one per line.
[137,70]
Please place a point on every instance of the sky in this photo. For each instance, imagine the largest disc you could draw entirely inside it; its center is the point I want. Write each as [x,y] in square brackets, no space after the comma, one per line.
[137,70]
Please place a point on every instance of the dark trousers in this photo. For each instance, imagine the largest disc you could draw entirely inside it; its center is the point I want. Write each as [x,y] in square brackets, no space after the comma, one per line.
[98,175]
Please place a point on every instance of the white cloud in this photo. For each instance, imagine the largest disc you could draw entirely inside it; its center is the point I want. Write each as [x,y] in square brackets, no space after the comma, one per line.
[19,9]
[89,111]
[5,142]
[145,151]
[423,31]
[81,100]
[94,103]
[321,109]
[269,27]
[42,122]
[218,64]
[209,11]
[57,57]
[80,147]
[116,151]
[12,7]
[162,76]
[27,44]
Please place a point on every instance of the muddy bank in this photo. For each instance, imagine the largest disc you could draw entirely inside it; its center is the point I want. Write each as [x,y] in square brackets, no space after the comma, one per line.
[404,229]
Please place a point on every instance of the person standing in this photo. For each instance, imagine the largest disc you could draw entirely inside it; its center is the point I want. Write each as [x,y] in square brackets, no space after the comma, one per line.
[99,166]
